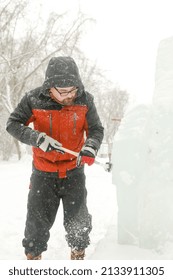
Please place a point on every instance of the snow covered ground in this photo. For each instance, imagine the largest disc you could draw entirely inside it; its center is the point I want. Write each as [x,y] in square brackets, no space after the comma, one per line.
[102,204]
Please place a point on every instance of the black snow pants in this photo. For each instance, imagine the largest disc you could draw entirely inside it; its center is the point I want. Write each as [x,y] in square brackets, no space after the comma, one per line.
[43,202]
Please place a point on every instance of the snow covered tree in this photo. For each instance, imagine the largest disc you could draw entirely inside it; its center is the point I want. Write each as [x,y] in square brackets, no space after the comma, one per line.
[27,43]
[26,46]
[111,107]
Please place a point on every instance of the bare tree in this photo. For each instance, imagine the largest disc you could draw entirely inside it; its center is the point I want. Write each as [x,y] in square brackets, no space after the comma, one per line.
[23,57]
[111,107]
[24,54]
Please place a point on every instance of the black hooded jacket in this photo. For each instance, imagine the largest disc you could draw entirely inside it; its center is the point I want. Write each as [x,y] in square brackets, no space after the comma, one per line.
[66,124]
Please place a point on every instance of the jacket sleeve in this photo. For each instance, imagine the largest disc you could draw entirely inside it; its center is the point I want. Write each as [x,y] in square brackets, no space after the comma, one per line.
[95,129]
[17,124]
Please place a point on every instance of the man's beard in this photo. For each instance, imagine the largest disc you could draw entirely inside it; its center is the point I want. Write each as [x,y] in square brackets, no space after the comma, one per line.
[68,101]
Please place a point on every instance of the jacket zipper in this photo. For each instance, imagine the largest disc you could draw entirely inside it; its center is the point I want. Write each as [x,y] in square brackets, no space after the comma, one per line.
[50,123]
[74,123]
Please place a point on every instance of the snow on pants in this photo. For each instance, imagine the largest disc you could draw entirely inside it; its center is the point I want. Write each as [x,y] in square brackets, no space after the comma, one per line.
[43,202]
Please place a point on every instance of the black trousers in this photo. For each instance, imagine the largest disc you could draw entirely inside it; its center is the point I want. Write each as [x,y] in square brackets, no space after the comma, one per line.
[43,202]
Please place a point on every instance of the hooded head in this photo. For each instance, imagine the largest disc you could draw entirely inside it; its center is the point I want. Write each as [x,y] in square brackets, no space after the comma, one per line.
[62,72]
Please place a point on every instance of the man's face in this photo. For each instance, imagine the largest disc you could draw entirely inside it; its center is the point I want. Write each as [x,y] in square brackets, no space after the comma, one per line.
[65,96]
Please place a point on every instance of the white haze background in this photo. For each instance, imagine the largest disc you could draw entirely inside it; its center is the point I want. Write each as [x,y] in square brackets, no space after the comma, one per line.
[124,39]
[125,42]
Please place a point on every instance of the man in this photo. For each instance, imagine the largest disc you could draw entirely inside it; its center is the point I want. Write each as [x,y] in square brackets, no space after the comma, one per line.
[63,115]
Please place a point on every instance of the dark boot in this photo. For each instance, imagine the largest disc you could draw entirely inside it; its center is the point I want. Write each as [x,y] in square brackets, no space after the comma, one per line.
[77,255]
[30,257]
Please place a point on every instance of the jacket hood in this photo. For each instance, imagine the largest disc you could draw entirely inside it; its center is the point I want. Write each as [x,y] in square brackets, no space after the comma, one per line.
[62,72]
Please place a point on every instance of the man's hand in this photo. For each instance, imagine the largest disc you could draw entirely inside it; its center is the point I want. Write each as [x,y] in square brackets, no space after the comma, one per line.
[86,155]
[48,144]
